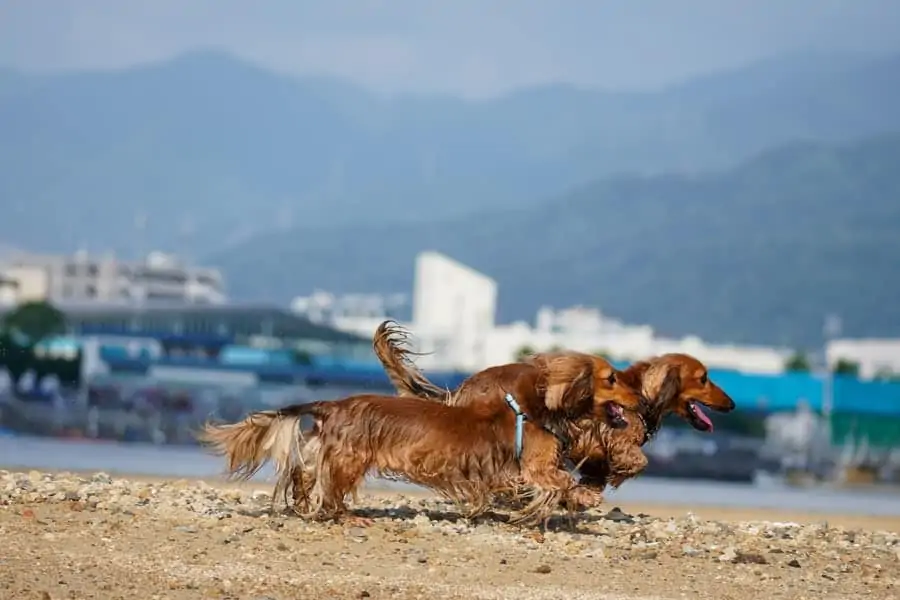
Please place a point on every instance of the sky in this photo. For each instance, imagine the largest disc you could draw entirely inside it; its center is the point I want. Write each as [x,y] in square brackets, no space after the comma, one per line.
[473,48]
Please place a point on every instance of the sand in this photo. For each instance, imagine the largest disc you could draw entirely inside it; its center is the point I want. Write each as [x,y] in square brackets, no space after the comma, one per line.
[77,536]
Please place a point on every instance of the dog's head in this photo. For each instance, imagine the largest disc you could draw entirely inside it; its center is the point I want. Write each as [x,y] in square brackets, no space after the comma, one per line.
[613,393]
[680,384]
[582,384]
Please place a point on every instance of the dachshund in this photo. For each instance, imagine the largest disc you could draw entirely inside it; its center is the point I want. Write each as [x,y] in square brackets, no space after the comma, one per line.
[465,452]
[671,383]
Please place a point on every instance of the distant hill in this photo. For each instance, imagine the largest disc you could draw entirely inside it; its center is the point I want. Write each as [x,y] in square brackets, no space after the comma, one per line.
[758,253]
[206,151]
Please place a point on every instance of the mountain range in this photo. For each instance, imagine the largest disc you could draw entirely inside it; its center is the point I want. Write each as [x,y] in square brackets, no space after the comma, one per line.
[684,207]
[204,150]
[760,253]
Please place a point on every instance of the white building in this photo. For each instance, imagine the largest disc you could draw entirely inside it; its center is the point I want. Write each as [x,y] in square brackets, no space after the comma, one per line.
[875,357]
[453,322]
[9,290]
[588,330]
[354,313]
[84,278]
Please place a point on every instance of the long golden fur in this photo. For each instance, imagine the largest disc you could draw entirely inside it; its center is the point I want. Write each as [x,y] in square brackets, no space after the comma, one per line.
[671,383]
[452,450]
[466,452]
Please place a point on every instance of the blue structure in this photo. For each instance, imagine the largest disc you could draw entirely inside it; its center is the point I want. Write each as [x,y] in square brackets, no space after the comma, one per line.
[751,392]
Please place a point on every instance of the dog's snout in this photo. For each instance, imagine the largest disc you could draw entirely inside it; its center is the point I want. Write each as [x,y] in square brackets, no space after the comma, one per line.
[725,402]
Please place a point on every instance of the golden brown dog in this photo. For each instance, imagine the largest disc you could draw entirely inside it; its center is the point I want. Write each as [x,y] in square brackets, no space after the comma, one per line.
[674,384]
[671,383]
[466,452]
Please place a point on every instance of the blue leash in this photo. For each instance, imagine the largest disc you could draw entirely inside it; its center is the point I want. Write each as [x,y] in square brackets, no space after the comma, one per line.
[520,423]
[521,417]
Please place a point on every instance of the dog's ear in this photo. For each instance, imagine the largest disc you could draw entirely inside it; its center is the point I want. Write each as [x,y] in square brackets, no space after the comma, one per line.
[670,388]
[568,381]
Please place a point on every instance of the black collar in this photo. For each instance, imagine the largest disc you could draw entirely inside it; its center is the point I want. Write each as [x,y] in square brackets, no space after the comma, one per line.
[649,432]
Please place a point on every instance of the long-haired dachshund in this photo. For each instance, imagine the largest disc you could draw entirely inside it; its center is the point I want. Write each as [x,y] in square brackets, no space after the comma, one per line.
[671,383]
[465,452]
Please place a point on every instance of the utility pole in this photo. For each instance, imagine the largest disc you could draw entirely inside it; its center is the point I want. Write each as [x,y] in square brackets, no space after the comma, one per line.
[831,328]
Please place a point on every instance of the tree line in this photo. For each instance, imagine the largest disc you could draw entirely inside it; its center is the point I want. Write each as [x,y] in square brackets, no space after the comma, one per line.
[21,332]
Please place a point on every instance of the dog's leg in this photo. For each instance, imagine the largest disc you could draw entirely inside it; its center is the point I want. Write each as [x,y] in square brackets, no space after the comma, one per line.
[302,482]
[626,462]
[594,473]
[345,474]
[303,475]
[540,469]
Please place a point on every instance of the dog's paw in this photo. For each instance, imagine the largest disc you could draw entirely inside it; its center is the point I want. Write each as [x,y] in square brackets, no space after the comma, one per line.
[616,480]
[582,497]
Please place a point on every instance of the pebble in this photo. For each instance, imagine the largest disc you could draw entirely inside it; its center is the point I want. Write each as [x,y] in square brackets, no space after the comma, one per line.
[605,536]
[186,529]
[729,555]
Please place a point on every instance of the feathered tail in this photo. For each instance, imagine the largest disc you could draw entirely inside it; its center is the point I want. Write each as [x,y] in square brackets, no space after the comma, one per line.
[266,436]
[390,345]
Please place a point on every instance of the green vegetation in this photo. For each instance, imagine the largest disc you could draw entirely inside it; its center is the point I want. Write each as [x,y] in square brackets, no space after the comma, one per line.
[797,363]
[845,367]
[523,353]
[31,322]
[21,330]
[885,374]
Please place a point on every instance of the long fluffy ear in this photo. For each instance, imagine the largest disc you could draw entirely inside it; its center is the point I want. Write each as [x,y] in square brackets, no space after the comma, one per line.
[568,381]
[670,388]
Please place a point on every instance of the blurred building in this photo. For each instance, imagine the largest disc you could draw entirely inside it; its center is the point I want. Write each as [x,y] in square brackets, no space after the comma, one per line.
[357,313]
[453,313]
[588,330]
[201,325]
[9,290]
[877,358]
[453,322]
[84,278]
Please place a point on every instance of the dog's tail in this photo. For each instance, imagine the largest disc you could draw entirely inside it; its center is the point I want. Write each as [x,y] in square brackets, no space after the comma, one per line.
[390,345]
[265,436]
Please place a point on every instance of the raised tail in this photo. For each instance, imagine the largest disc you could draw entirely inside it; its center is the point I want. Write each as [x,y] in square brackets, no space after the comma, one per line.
[266,436]
[390,345]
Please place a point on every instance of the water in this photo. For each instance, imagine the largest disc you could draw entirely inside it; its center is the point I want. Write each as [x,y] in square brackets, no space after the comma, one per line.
[25,453]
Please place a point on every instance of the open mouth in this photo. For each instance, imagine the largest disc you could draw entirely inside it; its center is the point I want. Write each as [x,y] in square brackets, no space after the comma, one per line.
[616,415]
[698,418]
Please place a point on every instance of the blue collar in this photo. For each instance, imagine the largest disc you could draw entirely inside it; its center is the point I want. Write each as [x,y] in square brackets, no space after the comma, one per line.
[521,417]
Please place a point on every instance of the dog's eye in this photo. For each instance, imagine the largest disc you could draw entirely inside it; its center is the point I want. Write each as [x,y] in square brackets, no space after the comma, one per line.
[703,379]
[611,380]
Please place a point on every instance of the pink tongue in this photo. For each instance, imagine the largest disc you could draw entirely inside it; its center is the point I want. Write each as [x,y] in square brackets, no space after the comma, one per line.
[701,415]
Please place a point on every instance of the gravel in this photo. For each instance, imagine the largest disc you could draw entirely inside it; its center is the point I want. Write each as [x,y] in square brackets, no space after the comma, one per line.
[114,537]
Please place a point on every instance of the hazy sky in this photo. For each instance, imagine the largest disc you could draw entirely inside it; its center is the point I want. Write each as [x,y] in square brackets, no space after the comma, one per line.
[473,47]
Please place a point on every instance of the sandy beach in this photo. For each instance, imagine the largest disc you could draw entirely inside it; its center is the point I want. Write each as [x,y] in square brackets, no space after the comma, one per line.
[96,536]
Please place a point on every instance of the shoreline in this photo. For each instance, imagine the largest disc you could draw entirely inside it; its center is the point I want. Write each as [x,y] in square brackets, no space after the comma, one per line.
[184,539]
[698,495]
[383,489]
